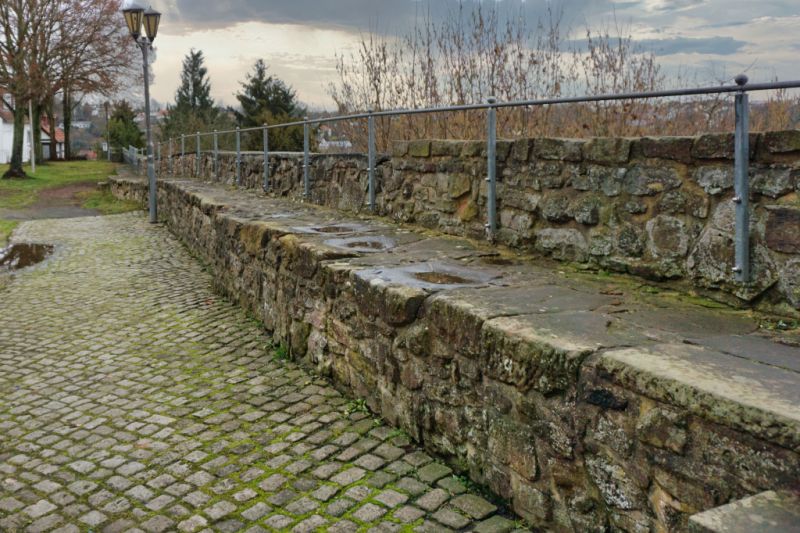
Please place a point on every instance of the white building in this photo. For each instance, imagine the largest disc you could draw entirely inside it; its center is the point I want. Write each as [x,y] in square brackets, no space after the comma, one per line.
[7,136]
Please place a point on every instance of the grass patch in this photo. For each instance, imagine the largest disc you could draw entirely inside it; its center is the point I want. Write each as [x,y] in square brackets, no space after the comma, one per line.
[18,193]
[107,203]
[6,227]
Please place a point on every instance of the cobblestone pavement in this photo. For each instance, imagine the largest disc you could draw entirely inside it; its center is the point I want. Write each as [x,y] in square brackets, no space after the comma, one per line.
[134,399]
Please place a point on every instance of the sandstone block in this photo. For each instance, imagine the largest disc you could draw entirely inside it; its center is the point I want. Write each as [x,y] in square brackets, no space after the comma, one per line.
[783,229]
[563,244]
[558,149]
[675,148]
[667,237]
[773,181]
[778,142]
[419,148]
[607,150]
[648,180]
[663,428]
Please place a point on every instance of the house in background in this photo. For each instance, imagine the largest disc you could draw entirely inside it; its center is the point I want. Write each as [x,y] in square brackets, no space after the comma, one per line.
[7,136]
[47,143]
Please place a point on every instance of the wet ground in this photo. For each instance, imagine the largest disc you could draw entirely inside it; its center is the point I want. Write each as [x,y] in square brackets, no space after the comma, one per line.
[57,202]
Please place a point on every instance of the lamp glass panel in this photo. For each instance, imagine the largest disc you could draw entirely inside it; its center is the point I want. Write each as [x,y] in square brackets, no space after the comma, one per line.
[151,21]
[133,18]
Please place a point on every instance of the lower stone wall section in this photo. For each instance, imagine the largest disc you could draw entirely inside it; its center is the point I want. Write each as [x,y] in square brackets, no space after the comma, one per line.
[568,440]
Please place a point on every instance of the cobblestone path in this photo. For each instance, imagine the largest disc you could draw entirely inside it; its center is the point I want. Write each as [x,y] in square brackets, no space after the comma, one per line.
[134,399]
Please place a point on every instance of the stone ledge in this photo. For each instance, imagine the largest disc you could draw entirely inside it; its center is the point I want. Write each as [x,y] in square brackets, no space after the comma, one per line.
[734,391]
[767,512]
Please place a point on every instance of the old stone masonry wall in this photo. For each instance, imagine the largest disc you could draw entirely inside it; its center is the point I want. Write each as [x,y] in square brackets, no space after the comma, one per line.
[589,407]
[659,208]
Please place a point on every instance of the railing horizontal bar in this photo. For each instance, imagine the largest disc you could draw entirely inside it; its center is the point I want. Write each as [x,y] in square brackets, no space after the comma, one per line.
[752,87]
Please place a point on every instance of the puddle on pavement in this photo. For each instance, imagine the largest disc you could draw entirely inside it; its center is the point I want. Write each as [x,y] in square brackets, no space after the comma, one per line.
[363,243]
[441,278]
[433,276]
[498,260]
[333,229]
[23,255]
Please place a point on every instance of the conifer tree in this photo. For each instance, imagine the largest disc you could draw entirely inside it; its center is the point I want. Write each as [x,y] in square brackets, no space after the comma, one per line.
[265,99]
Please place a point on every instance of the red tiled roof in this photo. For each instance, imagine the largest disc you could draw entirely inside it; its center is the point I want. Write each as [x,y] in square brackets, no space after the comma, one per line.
[46,129]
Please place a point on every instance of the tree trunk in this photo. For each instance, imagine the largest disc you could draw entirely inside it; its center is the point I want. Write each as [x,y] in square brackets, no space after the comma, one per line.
[15,167]
[36,125]
[51,121]
[67,124]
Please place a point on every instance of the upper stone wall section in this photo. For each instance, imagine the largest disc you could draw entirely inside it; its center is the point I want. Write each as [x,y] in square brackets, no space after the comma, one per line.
[656,207]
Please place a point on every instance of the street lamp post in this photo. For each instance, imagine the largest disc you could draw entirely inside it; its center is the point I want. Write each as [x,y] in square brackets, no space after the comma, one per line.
[135,17]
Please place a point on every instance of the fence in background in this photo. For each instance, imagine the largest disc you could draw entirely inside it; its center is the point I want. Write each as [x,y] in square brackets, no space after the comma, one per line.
[741,162]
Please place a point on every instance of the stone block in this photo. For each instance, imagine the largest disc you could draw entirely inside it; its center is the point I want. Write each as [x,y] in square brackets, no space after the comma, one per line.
[789,283]
[720,146]
[713,146]
[668,237]
[616,486]
[779,142]
[562,244]
[675,148]
[521,149]
[607,179]
[774,181]
[714,179]
[783,229]
[586,210]
[548,175]
[630,240]
[473,149]
[446,148]
[512,444]
[529,502]
[458,185]
[556,208]
[607,150]
[663,428]
[558,149]
[711,261]
[419,148]
[649,180]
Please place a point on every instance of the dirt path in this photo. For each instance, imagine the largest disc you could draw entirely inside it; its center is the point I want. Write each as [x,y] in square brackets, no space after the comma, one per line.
[57,202]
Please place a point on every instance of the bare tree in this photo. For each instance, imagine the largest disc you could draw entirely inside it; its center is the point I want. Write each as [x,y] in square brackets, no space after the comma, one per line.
[94,54]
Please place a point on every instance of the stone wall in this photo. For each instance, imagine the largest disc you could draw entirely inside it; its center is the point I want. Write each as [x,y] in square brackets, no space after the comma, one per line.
[659,208]
[534,403]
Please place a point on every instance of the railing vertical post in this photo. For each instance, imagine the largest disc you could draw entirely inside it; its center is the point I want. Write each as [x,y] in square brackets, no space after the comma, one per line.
[197,156]
[491,161]
[266,158]
[216,154]
[371,159]
[183,153]
[741,197]
[238,156]
[306,169]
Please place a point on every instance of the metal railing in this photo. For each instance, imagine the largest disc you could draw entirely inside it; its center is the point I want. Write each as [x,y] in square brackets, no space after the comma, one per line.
[741,89]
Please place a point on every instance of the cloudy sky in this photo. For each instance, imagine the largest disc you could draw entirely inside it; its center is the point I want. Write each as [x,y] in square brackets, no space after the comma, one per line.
[300,38]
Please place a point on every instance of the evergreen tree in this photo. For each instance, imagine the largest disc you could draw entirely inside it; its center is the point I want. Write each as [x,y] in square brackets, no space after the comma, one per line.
[265,99]
[194,93]
[194,109]
[122,127]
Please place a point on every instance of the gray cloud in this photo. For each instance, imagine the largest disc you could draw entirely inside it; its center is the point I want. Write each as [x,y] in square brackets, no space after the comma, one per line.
[385,16]
[679,45]
[693,45]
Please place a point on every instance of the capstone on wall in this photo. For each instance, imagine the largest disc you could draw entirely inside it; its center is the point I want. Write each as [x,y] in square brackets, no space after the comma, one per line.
[658,208]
